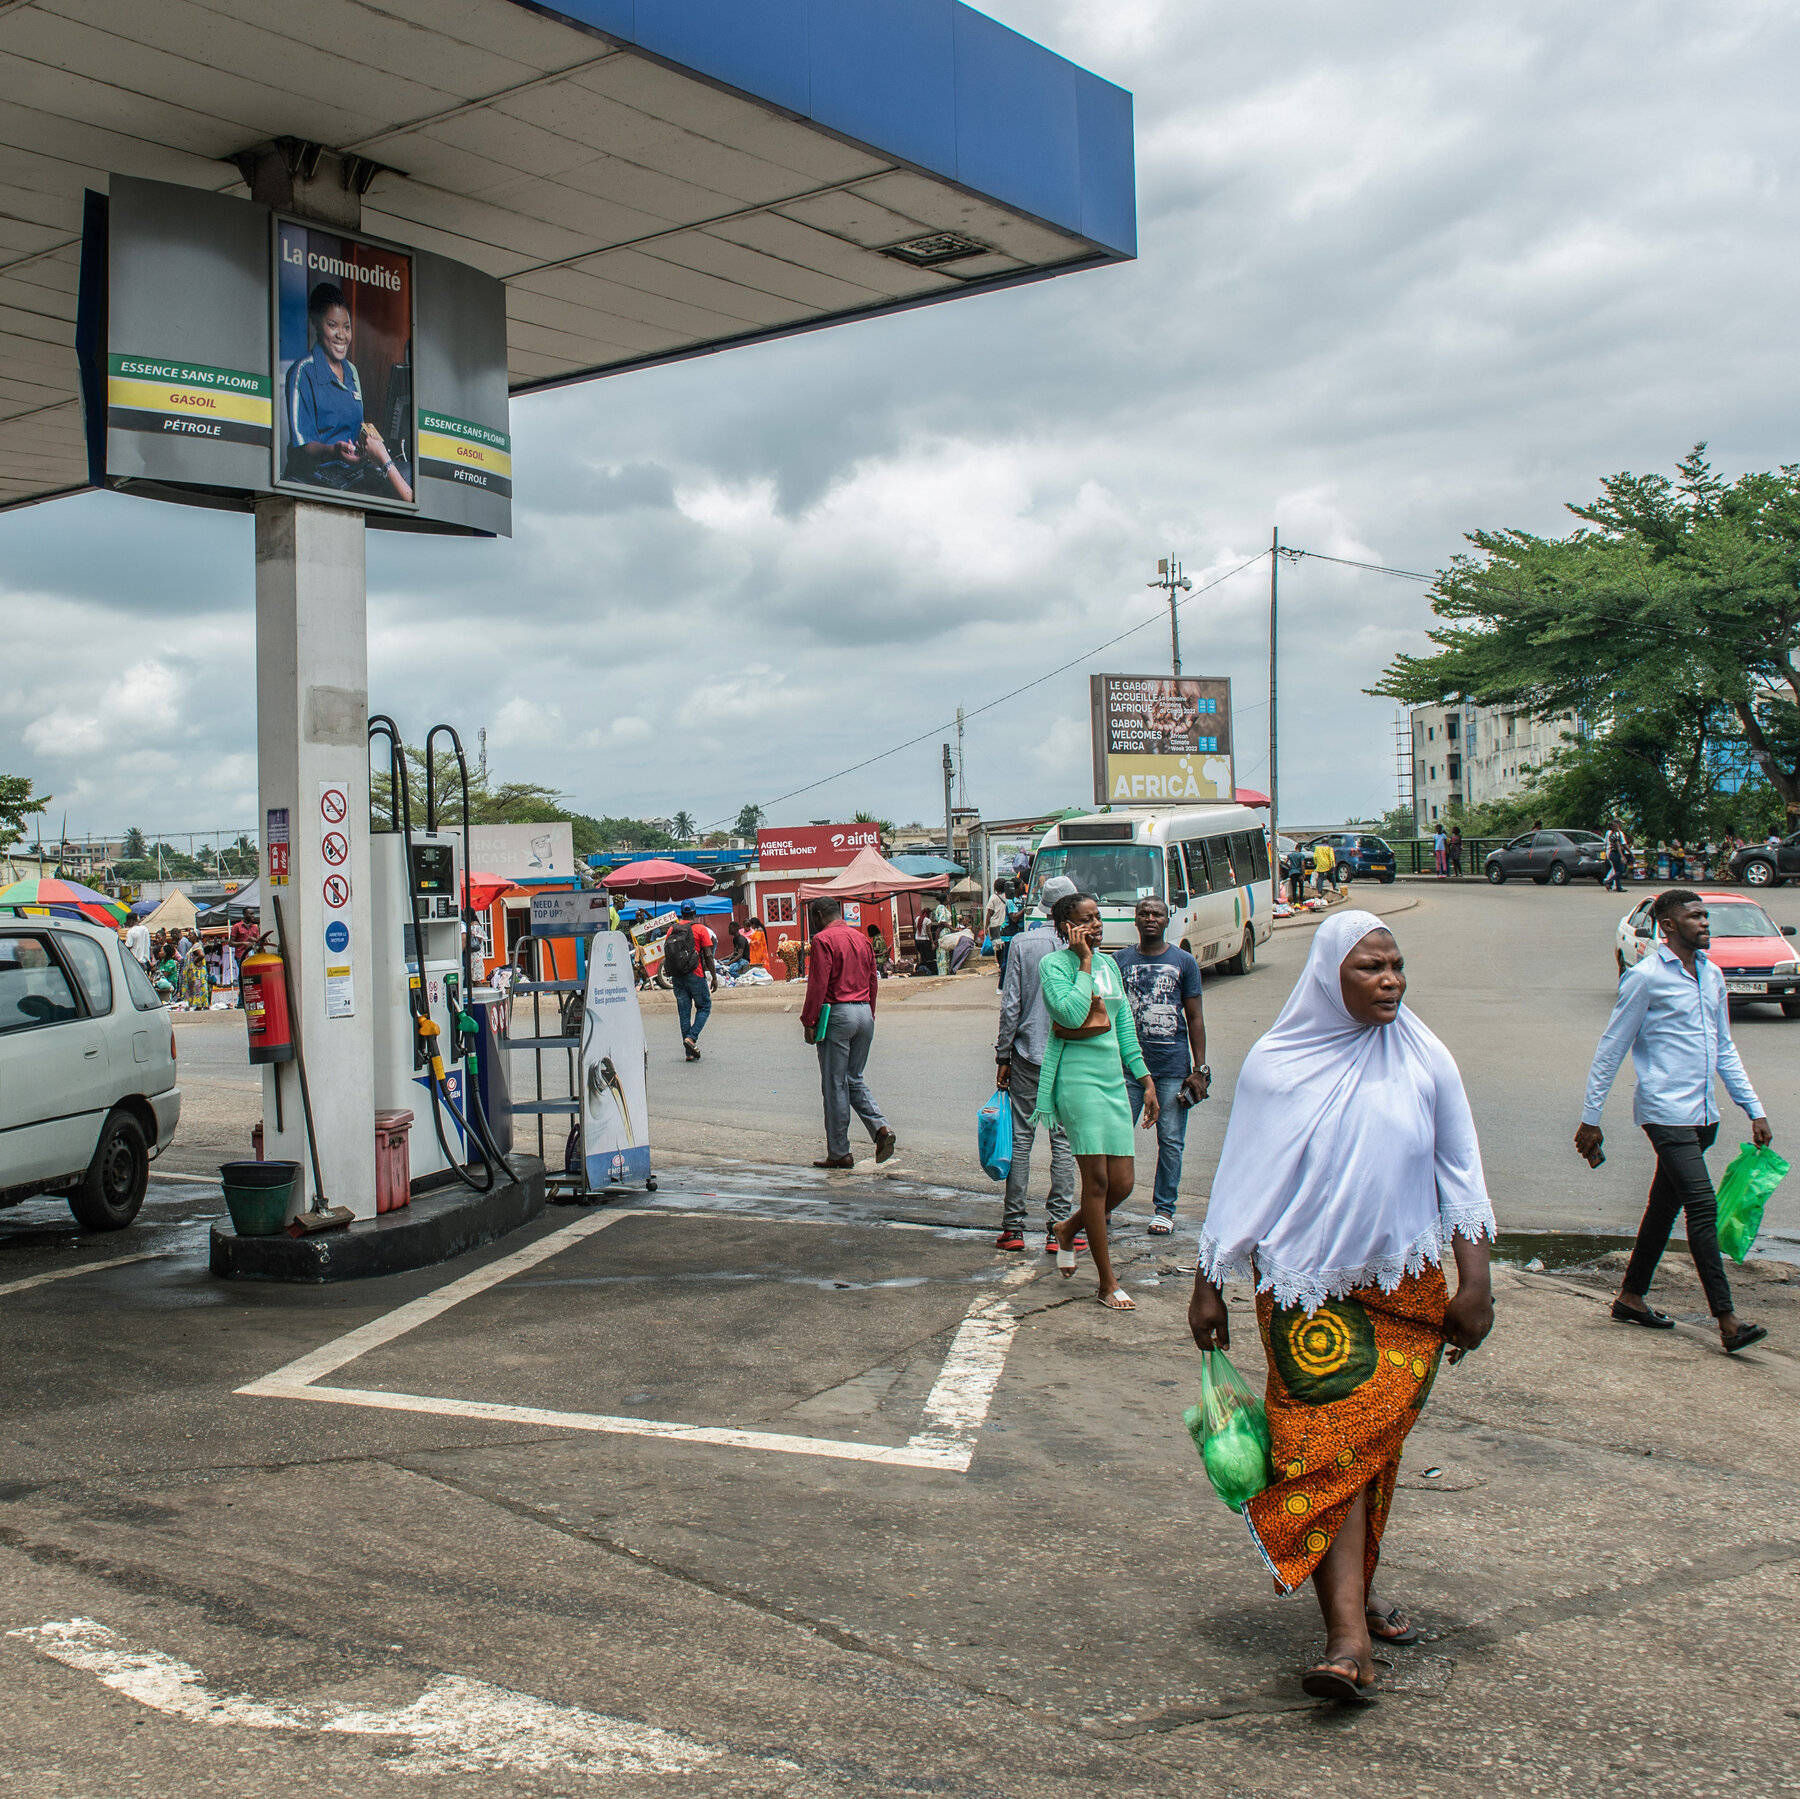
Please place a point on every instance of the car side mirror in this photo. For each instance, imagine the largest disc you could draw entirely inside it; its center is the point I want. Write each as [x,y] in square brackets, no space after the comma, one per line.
[1788,930]
[1643,930]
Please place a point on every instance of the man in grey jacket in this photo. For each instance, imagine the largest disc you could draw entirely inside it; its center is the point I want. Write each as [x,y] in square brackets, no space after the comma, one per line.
[1019,1052]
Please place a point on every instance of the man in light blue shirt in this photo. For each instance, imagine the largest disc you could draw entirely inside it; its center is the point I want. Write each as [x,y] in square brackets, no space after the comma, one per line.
[1673,1016]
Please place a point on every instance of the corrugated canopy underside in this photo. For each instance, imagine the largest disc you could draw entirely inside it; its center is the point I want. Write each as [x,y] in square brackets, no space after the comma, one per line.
[637,210]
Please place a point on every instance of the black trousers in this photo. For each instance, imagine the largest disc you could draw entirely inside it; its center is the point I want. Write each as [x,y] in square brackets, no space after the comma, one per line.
[1681,1185]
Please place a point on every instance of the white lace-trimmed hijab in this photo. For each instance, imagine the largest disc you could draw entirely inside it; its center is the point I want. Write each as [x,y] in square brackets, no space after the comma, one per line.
[1350,1159]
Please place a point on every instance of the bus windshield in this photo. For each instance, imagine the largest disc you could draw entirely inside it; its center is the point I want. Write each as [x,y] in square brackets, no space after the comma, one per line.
[1116,874]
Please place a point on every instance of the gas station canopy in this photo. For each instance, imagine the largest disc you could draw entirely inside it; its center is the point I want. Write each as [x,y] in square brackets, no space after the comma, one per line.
[651,179]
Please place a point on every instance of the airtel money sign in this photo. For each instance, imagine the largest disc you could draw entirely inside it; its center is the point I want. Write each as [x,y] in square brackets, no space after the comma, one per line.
[1161,740]
[815,846]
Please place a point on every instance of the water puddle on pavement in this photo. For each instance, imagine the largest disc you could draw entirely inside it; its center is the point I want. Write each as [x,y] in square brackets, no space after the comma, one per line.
[1573,1249]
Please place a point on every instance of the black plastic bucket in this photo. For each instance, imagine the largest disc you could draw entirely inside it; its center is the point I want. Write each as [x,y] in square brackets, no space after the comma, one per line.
[258,1194]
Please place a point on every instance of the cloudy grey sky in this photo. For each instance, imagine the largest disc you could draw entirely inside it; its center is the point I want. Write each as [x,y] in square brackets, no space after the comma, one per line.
[1404,271]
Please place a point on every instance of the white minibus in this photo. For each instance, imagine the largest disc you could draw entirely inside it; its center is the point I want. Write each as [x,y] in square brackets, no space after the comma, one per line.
[1209,865]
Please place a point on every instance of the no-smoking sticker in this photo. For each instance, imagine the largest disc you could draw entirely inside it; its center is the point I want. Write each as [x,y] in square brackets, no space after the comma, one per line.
[334,805]
[335,849]
[337,892]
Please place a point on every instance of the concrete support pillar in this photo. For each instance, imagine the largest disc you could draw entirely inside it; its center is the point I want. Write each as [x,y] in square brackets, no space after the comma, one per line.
[312,711]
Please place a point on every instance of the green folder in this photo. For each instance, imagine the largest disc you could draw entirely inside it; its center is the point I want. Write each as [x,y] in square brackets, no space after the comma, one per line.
[824,1023]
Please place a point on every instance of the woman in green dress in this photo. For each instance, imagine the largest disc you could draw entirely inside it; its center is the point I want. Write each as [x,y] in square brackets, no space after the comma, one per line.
[1082,1087]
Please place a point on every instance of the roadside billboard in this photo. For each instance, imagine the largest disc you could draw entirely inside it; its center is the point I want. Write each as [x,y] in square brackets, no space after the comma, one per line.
[1161,739]
[523,852]
[812,846]
[228,352]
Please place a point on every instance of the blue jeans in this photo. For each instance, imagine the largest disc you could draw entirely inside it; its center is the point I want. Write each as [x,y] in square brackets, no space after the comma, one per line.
[693,1002]
[1171,1134]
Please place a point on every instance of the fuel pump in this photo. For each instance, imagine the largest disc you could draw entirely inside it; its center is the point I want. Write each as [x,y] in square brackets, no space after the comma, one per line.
[422,976]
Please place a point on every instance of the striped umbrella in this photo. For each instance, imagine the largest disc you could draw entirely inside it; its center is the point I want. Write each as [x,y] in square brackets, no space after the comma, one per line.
[63,899]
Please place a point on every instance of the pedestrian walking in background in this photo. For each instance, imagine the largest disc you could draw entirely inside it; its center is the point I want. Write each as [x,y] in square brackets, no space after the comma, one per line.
[1162,987]
[994,921]
[1019,1047]
[689,962]
[1350,1168]
[1618,852]
[1456,848]
[137,941]
[1082,1087]
[841,974]
[1440,852]
[1324,867]
[759,945]
[924,944]
[196,986]
[877,947]
[1673,1016]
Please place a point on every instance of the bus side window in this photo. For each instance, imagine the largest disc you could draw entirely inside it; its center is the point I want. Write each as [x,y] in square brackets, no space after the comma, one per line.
[1251,855]
[1218,864]
[1195,856]
[1177,884]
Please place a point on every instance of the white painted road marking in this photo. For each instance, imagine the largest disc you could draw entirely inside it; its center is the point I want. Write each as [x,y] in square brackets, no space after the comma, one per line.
[455,1725]
[68,1274]
[955,1410]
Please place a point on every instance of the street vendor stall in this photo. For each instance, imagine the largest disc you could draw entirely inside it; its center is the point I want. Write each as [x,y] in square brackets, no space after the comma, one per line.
[871,881]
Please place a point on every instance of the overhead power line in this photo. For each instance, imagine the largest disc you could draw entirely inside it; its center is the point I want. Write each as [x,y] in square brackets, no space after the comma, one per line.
[1010,694]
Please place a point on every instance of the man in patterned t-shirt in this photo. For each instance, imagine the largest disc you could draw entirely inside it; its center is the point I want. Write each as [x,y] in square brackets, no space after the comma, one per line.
[1162,986]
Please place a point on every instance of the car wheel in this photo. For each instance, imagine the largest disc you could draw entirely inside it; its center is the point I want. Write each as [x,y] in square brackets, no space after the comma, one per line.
[1559,875]
[1387,880]
[1245,959]
[1496,874]
[1790,1008]
[1758,873]
[113,1187]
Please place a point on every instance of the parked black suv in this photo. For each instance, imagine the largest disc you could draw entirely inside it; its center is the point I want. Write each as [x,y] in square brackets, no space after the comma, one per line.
[1759,865]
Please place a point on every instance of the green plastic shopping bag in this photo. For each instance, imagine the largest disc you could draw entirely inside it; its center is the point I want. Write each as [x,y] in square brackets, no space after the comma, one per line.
[1231,1431]
[1753,1175]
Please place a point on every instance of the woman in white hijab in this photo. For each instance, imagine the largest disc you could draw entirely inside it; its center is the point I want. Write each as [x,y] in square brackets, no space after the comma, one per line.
[1350,1167]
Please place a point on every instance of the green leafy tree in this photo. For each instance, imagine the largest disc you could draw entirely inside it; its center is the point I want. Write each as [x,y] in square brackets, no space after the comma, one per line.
[749,821]
[884,825]
[134,845]
[685,828]
[17,805]
[1396,824]
[1673,604]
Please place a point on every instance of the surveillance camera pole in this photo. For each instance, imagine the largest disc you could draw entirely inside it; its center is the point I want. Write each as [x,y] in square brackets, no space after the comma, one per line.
[1172,581]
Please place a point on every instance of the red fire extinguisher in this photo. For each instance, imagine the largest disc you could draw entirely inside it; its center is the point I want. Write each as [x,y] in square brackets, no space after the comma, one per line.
[265,1007]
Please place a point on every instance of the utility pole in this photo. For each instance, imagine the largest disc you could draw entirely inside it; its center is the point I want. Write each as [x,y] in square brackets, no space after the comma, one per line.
[1274,732]
[1172,581]
[962,784]
[949,776]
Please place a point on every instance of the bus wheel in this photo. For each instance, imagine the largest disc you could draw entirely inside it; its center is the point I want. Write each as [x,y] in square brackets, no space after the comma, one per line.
[1245,959]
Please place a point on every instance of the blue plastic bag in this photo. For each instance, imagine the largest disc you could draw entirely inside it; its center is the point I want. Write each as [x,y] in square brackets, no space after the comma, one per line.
[994,1136]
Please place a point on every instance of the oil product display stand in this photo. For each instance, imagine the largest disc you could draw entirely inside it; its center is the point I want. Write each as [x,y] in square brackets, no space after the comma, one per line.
[563,1184]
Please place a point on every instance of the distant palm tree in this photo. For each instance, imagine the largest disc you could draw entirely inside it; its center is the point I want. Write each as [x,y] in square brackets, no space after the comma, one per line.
[685,828]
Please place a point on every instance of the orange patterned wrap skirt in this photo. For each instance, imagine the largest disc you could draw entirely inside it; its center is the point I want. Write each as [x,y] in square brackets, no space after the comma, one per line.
[1346,1383]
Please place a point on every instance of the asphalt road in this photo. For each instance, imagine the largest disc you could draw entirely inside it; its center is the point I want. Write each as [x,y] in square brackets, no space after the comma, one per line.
[792,1487]
[1517,980]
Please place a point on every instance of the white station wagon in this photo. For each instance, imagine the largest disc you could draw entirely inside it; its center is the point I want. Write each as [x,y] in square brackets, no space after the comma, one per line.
[87,1070]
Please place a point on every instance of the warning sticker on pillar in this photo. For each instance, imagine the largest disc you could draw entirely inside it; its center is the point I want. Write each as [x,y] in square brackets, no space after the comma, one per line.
[339,945]
[275,846]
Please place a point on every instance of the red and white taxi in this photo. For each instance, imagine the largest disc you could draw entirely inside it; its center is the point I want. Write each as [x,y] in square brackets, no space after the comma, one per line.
[1756,956]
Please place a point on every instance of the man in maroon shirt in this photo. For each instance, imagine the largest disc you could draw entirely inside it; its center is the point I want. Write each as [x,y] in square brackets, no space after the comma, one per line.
[840,973]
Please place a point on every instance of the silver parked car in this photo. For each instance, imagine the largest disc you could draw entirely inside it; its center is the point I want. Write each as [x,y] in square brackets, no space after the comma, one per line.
[88,1096]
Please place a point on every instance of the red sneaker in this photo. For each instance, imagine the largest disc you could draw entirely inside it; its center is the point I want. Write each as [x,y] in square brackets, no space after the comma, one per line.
[1010,1240]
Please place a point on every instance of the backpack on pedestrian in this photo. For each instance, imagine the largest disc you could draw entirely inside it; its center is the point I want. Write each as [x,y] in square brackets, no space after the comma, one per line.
[681,954]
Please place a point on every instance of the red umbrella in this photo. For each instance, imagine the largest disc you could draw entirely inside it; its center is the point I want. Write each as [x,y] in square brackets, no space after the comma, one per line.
[656,879]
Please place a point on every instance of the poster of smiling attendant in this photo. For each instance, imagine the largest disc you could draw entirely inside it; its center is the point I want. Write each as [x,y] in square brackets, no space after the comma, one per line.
[344,367]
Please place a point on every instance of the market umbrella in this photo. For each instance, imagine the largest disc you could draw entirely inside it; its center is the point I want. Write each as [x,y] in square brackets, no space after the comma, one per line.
[481,890]
[63,899]
[656,879]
